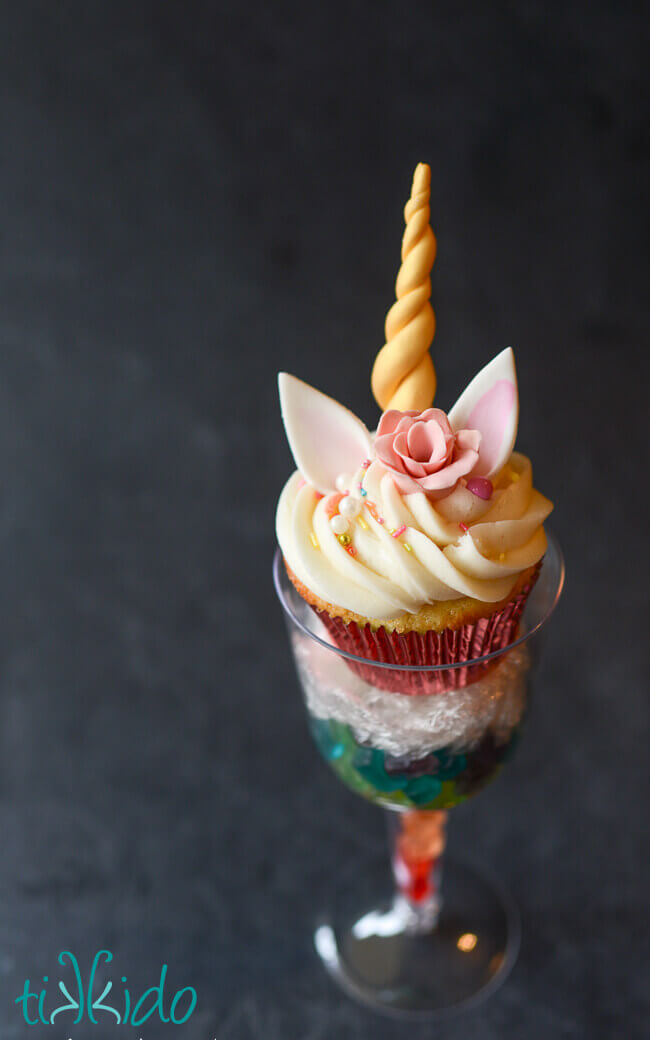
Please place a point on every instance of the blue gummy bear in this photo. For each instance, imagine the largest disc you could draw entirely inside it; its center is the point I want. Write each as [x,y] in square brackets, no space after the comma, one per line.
[327,741]
[423,789]
[450,763]
[373,771]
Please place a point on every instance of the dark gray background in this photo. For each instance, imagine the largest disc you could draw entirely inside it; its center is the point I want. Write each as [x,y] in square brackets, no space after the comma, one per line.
[193,196]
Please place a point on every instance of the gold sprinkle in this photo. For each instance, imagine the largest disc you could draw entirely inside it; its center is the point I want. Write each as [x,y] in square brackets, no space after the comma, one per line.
[391,530]
[314,540]
[344,539]
[407,547]
[362,523]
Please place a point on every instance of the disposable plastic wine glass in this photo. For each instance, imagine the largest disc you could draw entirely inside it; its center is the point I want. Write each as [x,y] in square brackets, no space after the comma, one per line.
[418,741]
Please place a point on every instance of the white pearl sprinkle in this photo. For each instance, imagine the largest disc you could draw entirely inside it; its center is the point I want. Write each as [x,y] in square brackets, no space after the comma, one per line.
[350,506]
[339,524]
[342,482]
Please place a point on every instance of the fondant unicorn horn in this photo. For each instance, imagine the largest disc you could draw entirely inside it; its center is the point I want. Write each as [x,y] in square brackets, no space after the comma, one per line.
[403,375]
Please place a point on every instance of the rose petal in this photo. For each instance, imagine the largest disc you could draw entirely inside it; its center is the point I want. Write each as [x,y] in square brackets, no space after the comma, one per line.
[427,443]
[468,439]
[437,415]
[400,446]
[404,425]
[448,477]
[409,465]
[417,469]
[389,421]
[384,450]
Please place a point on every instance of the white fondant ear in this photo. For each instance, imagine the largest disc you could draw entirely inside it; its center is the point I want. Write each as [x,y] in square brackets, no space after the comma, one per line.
[325,438]
[490,404]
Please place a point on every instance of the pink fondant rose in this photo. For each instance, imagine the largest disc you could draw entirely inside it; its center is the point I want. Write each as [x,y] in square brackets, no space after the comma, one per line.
[423,453]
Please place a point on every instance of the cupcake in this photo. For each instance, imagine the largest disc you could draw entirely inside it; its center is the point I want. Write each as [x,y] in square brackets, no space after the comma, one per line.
[417,544]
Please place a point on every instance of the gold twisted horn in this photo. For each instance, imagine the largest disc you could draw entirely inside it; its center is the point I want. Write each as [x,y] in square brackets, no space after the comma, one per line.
[403,375]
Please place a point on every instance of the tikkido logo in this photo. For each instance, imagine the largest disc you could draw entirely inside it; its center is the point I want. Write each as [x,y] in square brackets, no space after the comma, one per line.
[80,1004]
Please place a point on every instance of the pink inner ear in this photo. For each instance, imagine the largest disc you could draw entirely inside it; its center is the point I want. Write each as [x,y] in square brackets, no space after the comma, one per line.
[492,417]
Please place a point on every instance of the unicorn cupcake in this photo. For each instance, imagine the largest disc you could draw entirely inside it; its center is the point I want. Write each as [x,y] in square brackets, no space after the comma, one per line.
[418,543]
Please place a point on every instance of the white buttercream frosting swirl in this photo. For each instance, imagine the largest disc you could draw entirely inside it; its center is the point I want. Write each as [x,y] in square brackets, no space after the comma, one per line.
[424,551]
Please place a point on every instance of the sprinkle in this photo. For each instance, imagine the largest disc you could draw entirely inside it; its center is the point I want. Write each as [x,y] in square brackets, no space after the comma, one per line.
[332,505]
[314,540]
[339,524]
[350,506]
[399,531]
[407,547]
[363,492]
[481,487]
[359,485]
[351,550]
[362,523]
[464,528]
[502,557]
[365,464]
[372,509]
[344,539]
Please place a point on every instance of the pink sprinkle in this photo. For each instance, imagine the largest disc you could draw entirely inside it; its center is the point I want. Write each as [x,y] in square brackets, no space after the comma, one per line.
[464,528]
[380,520]
[365,464]
[332,504]
[399,531]
[351,550]
[345,494]
[481,487]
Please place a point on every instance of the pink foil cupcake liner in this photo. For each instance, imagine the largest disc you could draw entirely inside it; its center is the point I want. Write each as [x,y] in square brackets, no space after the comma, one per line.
[451,646]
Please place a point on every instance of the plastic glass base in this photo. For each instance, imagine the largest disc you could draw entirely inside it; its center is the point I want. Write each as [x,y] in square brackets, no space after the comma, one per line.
[381,959]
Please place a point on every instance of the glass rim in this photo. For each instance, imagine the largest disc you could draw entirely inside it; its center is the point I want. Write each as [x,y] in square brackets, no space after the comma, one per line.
[278,571]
